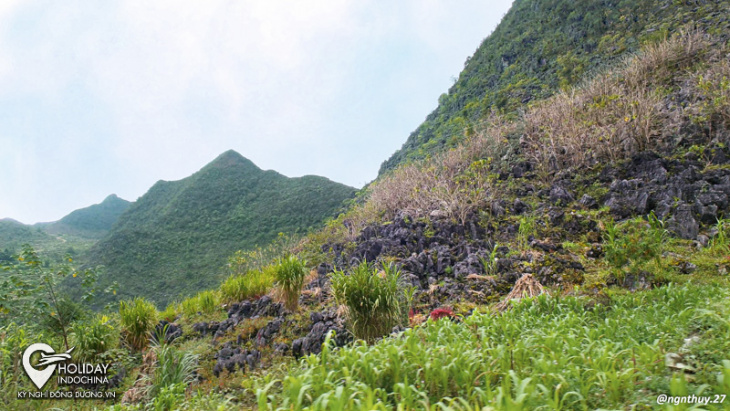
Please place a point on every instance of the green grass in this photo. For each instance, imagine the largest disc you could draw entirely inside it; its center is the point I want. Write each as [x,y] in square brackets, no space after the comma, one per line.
[204,302]
[251,285]
[173,372]
[138,318]
[289,273]
[547,352]
[93,337]
[376,301]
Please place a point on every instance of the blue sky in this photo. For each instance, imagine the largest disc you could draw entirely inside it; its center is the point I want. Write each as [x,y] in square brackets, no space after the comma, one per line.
[109,97]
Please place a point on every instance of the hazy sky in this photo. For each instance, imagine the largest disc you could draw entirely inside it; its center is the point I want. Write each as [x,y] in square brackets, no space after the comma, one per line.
[101,97]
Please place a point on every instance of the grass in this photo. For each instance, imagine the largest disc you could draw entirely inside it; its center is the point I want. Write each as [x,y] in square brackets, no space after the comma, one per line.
[289,273]
[634,242]
[94,337]
[204,302]
[376,301]
[138,318]
[173,370]
[547,352]
[253,284]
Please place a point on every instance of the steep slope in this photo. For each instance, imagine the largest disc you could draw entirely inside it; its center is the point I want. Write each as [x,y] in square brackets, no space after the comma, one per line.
[92,222]
[175,239]
[541,46]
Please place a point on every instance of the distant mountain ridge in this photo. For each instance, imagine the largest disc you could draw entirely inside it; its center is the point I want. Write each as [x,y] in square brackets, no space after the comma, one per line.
[72,234]
[175,239]
[94,221]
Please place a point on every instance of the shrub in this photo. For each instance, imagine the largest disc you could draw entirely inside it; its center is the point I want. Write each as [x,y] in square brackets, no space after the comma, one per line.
[251,285]
[138,318]
[93,337]
[289,274]
[376,301]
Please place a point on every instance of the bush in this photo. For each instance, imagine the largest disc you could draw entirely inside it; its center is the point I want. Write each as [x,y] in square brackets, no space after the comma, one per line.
[376,301]
[289,274]
[251,285]
[93,338]
[138,319]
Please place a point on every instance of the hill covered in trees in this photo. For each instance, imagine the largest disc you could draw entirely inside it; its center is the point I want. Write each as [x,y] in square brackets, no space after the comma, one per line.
[176,238]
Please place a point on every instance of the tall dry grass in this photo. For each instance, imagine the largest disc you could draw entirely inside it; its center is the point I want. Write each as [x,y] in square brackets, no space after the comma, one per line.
[618,113]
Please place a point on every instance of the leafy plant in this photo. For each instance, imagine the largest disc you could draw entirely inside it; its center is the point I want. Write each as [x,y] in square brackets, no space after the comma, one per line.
[94,337]
[721,241]
[289,273]
[490,263]
[634,242]
[376,301]
[526,229]
[138,318]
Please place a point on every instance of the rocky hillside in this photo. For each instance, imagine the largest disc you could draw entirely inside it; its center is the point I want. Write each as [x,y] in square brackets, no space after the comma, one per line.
[542,46]
[603,221]
[572,254]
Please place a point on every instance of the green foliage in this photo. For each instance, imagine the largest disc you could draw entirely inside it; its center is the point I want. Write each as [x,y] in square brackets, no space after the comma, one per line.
[13,341]
[253,284]
[175,240]
[92,222]
[376,301]
[173,372]
[93,337]
[204,302]
[721,241]
[30,293]
[289,273]
[545,353]
[526,229]
[634,242]
[138,318]
[490,263]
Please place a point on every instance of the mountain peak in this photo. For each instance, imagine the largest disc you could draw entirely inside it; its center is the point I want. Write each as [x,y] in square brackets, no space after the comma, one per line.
[232,158]
[113,198]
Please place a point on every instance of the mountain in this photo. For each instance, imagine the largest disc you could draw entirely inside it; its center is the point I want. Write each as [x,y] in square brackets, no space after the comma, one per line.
[13,234]
[541,46]
[176,238]
[92,222]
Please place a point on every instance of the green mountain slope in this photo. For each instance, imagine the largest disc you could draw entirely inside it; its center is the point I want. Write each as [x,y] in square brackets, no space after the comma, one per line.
[13,234]
[543,45]
[175,239]
[92,222]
